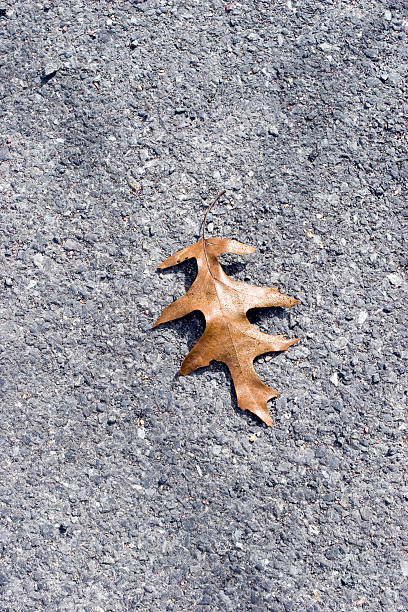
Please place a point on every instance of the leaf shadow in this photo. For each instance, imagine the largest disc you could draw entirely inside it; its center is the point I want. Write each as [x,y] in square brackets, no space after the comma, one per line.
[258,316]
[234,268]
[217,367]
[190,327]
[188,267]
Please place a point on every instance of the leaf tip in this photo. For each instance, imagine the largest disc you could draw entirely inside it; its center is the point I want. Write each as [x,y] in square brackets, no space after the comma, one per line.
[291,302]
[264,415]
[157,322]
[268,420]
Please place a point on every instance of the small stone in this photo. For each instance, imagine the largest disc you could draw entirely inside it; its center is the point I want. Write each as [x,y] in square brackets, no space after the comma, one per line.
[404,567]
[362,317]
[394,78]
[70,245]
[144,155]
[132,182]
[365,514]
[50,69]
[300,352]
[233,183]
[326,46]
[371,53]
[340,343]
[38,260]
[133,44]
[8,282]
[47,531]
[334,378]
[387,15]
[395,279]
[273,130]
[344,502]
[78,381]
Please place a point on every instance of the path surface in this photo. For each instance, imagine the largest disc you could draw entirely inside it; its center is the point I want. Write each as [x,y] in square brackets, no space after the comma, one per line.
[123,488]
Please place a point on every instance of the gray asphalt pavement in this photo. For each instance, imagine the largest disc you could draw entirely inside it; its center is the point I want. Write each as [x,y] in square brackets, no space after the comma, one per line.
[123,487]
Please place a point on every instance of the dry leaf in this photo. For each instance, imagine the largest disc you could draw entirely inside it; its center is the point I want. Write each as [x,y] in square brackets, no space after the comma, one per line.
[228,336]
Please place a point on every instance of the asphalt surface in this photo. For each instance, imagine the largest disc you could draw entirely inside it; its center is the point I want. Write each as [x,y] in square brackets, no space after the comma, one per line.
[122,487]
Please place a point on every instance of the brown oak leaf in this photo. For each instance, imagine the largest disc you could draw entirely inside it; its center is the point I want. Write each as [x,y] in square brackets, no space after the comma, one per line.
[228,337]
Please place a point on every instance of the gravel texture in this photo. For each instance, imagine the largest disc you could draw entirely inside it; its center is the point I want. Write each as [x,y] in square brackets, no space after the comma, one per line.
[121,487]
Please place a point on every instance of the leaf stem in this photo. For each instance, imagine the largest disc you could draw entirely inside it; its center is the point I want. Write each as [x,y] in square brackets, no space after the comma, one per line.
[203,235]
[208,210]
